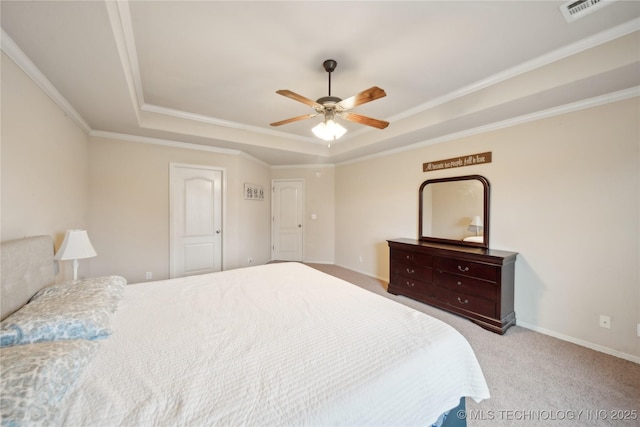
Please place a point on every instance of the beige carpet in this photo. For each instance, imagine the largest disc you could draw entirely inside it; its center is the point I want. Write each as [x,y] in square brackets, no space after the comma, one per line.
[535,379]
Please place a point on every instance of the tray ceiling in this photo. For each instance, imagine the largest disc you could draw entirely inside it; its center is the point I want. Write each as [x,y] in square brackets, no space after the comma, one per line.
[206,72]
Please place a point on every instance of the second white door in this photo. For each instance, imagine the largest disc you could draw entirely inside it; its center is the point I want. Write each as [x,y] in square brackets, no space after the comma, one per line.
[287,219]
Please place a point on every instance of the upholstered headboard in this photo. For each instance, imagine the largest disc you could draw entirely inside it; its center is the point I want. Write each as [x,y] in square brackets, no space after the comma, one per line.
[27,267]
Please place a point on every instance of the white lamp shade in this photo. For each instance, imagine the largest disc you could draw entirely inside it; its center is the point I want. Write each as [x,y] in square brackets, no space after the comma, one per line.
[476,224]
[76,245]
[476,221]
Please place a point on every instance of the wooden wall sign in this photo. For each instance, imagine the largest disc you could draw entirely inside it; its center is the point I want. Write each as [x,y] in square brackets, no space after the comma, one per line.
[457,162]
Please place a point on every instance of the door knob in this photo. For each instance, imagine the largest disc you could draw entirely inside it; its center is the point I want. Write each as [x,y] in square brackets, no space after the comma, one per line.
[299,225]
[218,231]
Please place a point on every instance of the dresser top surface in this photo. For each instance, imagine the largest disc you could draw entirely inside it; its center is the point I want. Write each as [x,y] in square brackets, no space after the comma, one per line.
[455,248]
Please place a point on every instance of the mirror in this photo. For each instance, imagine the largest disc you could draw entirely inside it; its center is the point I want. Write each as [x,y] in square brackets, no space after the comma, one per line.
[455,211]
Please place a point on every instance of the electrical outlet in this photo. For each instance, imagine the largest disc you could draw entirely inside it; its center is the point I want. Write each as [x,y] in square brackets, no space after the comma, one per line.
[249,260]
[148,275]
[605,321]
[360,259]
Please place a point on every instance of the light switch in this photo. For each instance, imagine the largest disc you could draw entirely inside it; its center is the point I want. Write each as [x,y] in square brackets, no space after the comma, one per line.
[314,216]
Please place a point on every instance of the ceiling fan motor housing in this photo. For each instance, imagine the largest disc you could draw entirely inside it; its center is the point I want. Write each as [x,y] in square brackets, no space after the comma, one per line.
[328,101]
[329,65]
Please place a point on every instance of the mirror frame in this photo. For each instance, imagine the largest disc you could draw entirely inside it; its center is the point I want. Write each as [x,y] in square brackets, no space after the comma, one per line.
[485,225]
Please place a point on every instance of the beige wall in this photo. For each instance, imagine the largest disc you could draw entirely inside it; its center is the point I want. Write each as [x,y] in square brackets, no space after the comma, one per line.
[129,207]
[319,185]
[55,177]
[254,235]
[44,165]
[564,194]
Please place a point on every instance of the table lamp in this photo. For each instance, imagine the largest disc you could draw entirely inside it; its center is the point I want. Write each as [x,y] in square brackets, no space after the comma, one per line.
[76,245]
[476,225]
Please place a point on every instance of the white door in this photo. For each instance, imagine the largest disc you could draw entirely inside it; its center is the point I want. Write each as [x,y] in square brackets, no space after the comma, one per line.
[195,219]
[287,215]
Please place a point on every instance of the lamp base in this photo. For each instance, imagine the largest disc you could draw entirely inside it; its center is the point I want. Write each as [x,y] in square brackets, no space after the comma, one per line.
[76,264]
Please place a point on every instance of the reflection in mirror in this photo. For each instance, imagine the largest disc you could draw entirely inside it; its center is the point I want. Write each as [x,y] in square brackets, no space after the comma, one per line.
[455,210]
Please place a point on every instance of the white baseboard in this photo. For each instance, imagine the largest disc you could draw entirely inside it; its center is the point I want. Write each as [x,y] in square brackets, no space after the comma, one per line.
[319,262]
[366,273]
[587,344]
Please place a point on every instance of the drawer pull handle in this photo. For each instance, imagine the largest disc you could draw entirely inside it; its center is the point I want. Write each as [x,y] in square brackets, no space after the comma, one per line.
[464,270]
[410,270]
[409,257]
[459,283]
[466,301]
[411,284]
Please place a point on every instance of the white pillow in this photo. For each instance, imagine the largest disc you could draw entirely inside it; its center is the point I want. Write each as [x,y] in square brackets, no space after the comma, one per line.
[35,379]
[69,311]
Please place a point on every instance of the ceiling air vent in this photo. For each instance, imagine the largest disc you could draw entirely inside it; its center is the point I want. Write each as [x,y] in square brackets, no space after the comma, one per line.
[578,9]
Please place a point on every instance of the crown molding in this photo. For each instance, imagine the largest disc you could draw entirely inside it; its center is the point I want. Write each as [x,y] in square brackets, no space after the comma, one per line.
[122,30]
[164,142]
[180,114]
[174,144]
[539,115]
[22,60]
[531,65]
[305,166]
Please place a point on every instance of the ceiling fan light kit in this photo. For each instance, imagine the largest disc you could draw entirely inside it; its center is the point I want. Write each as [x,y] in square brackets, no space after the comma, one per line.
[329,130]
[331,106]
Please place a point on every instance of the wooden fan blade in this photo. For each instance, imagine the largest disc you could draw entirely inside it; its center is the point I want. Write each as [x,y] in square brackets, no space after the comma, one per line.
[298,98]
[364,120]
[293,119]
[363,97]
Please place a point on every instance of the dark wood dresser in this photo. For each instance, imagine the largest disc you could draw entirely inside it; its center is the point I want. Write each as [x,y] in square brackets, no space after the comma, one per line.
[473,282]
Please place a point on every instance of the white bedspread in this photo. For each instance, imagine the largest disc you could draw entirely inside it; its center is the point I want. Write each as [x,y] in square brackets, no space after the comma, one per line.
[280,344]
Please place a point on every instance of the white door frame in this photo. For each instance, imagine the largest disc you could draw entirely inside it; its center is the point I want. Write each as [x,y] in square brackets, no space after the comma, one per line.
[223,172]
[273,230]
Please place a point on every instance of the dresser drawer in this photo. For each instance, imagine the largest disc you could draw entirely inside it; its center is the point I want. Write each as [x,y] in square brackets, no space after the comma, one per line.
[413,258]
[412,271]
[412,285]
[473,282]
[469,268]
[466,302]
[467,285]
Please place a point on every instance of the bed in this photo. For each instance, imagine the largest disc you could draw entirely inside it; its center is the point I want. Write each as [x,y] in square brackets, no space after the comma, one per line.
[279,344]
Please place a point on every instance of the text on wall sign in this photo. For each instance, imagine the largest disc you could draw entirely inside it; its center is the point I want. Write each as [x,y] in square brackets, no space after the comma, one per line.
[457,162]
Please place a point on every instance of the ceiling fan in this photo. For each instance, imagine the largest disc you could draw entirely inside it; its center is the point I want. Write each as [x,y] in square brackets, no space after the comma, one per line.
[331,106]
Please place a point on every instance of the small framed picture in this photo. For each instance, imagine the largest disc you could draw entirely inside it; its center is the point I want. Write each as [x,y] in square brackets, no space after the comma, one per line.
[253,192]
